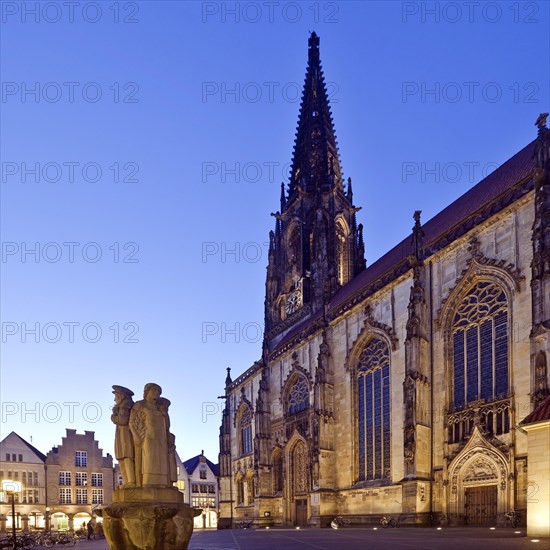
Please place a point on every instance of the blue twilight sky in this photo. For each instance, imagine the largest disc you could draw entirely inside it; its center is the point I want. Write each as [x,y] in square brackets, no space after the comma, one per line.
[160,132]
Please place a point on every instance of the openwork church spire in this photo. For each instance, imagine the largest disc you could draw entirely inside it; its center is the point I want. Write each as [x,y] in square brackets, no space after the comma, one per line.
[317,246]
[315,162]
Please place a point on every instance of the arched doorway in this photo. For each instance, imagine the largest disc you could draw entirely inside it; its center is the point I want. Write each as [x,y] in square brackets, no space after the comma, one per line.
[297,483]
[479,491]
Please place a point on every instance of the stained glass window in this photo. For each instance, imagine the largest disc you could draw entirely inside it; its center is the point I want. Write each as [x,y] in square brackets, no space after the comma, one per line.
[373,385]
[246,431]
[480,346]
[298,396]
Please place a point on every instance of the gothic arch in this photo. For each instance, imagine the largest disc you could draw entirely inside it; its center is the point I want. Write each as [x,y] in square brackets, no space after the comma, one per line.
[243,424]
[371,329]
[478,464]
[479,270]
[297,377]
[297,478]
[343,261]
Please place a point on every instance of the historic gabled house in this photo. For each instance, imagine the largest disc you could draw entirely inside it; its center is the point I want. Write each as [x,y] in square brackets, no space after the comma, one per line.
[395,388]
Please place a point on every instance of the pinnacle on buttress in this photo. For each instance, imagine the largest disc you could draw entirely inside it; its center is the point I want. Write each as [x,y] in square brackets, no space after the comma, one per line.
[228,377]
[417,237]
[283,196]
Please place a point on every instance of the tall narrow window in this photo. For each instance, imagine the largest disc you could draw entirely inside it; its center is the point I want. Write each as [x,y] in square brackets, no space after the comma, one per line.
[373,386]
[342,250]
[246,431]
[480,346]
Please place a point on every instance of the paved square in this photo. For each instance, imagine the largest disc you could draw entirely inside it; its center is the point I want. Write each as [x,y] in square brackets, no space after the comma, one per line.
[355,539]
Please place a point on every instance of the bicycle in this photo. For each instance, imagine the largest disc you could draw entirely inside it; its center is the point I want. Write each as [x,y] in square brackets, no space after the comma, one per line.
[513,518]
[388,521]
[339,521]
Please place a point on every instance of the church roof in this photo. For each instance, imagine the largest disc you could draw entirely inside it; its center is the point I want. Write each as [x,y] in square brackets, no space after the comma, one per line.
[506,184]
[540,414]
[455,220]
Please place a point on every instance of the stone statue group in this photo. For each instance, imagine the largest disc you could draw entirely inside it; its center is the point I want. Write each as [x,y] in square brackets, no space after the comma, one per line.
[144,447]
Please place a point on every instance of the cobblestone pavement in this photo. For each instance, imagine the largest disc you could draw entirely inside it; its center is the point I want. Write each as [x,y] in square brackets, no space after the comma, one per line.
[355,539]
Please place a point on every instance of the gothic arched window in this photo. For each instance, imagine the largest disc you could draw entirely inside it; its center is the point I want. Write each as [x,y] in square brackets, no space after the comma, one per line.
[480,346]
[298,396]
[373,387]
[245,426]
[342,251]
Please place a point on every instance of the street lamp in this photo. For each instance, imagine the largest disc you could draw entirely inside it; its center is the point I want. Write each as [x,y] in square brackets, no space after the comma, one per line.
[9,486]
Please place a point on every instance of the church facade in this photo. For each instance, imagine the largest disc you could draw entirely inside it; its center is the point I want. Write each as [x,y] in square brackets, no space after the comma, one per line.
[395,388]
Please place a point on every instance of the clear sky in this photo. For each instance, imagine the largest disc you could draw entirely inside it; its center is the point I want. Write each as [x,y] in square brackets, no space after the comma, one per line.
[159,134]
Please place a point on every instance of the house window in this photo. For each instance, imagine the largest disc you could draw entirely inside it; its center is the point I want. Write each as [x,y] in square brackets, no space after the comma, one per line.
[373,386]
[97,480]
[64,478]
[195,488]
[81,459]
[202,473]
[246,431]
[82,496]
[65,496]
[81,479]
[20,457]
[97,496]
[480,346]
[7,457]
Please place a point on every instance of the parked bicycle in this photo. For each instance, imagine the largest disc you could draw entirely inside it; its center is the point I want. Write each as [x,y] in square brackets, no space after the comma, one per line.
[244,524]
[22,540]
[513,518]
[339,521]
[388,521]
[62,538]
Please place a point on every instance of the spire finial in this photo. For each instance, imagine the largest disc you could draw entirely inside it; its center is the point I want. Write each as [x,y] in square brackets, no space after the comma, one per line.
[313,47]
[228,377]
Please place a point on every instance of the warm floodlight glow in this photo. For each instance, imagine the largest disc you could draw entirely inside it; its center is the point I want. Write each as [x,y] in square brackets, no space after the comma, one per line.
[535,540]
[298,527]
[375,528]
[439,528]
[492,528]
[517,532]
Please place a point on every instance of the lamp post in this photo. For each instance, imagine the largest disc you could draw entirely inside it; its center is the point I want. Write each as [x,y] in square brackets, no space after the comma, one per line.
[9,486]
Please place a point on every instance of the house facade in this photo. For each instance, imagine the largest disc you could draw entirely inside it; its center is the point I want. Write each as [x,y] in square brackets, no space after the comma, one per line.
[394,388]
[79,478]
[24,464]
[202,490]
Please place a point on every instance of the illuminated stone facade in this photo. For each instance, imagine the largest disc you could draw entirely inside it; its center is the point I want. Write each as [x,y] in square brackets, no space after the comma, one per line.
[395,388]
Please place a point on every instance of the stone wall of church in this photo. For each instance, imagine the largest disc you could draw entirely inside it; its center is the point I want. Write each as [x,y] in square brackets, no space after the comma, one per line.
[503,247]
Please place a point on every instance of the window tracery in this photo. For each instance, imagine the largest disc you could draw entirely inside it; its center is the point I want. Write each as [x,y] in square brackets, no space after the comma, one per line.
[480,346]
[373,387]
[298,396]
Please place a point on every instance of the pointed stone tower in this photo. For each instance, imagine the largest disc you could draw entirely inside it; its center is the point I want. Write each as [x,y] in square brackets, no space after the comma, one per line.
[317,246]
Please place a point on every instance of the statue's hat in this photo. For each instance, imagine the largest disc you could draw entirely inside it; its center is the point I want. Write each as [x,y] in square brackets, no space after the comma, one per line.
[123,390]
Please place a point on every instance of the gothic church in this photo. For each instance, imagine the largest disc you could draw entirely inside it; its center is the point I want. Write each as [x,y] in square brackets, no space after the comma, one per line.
[346,413]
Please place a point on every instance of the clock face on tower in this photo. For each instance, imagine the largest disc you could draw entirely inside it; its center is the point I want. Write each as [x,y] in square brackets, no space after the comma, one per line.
[293,301]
